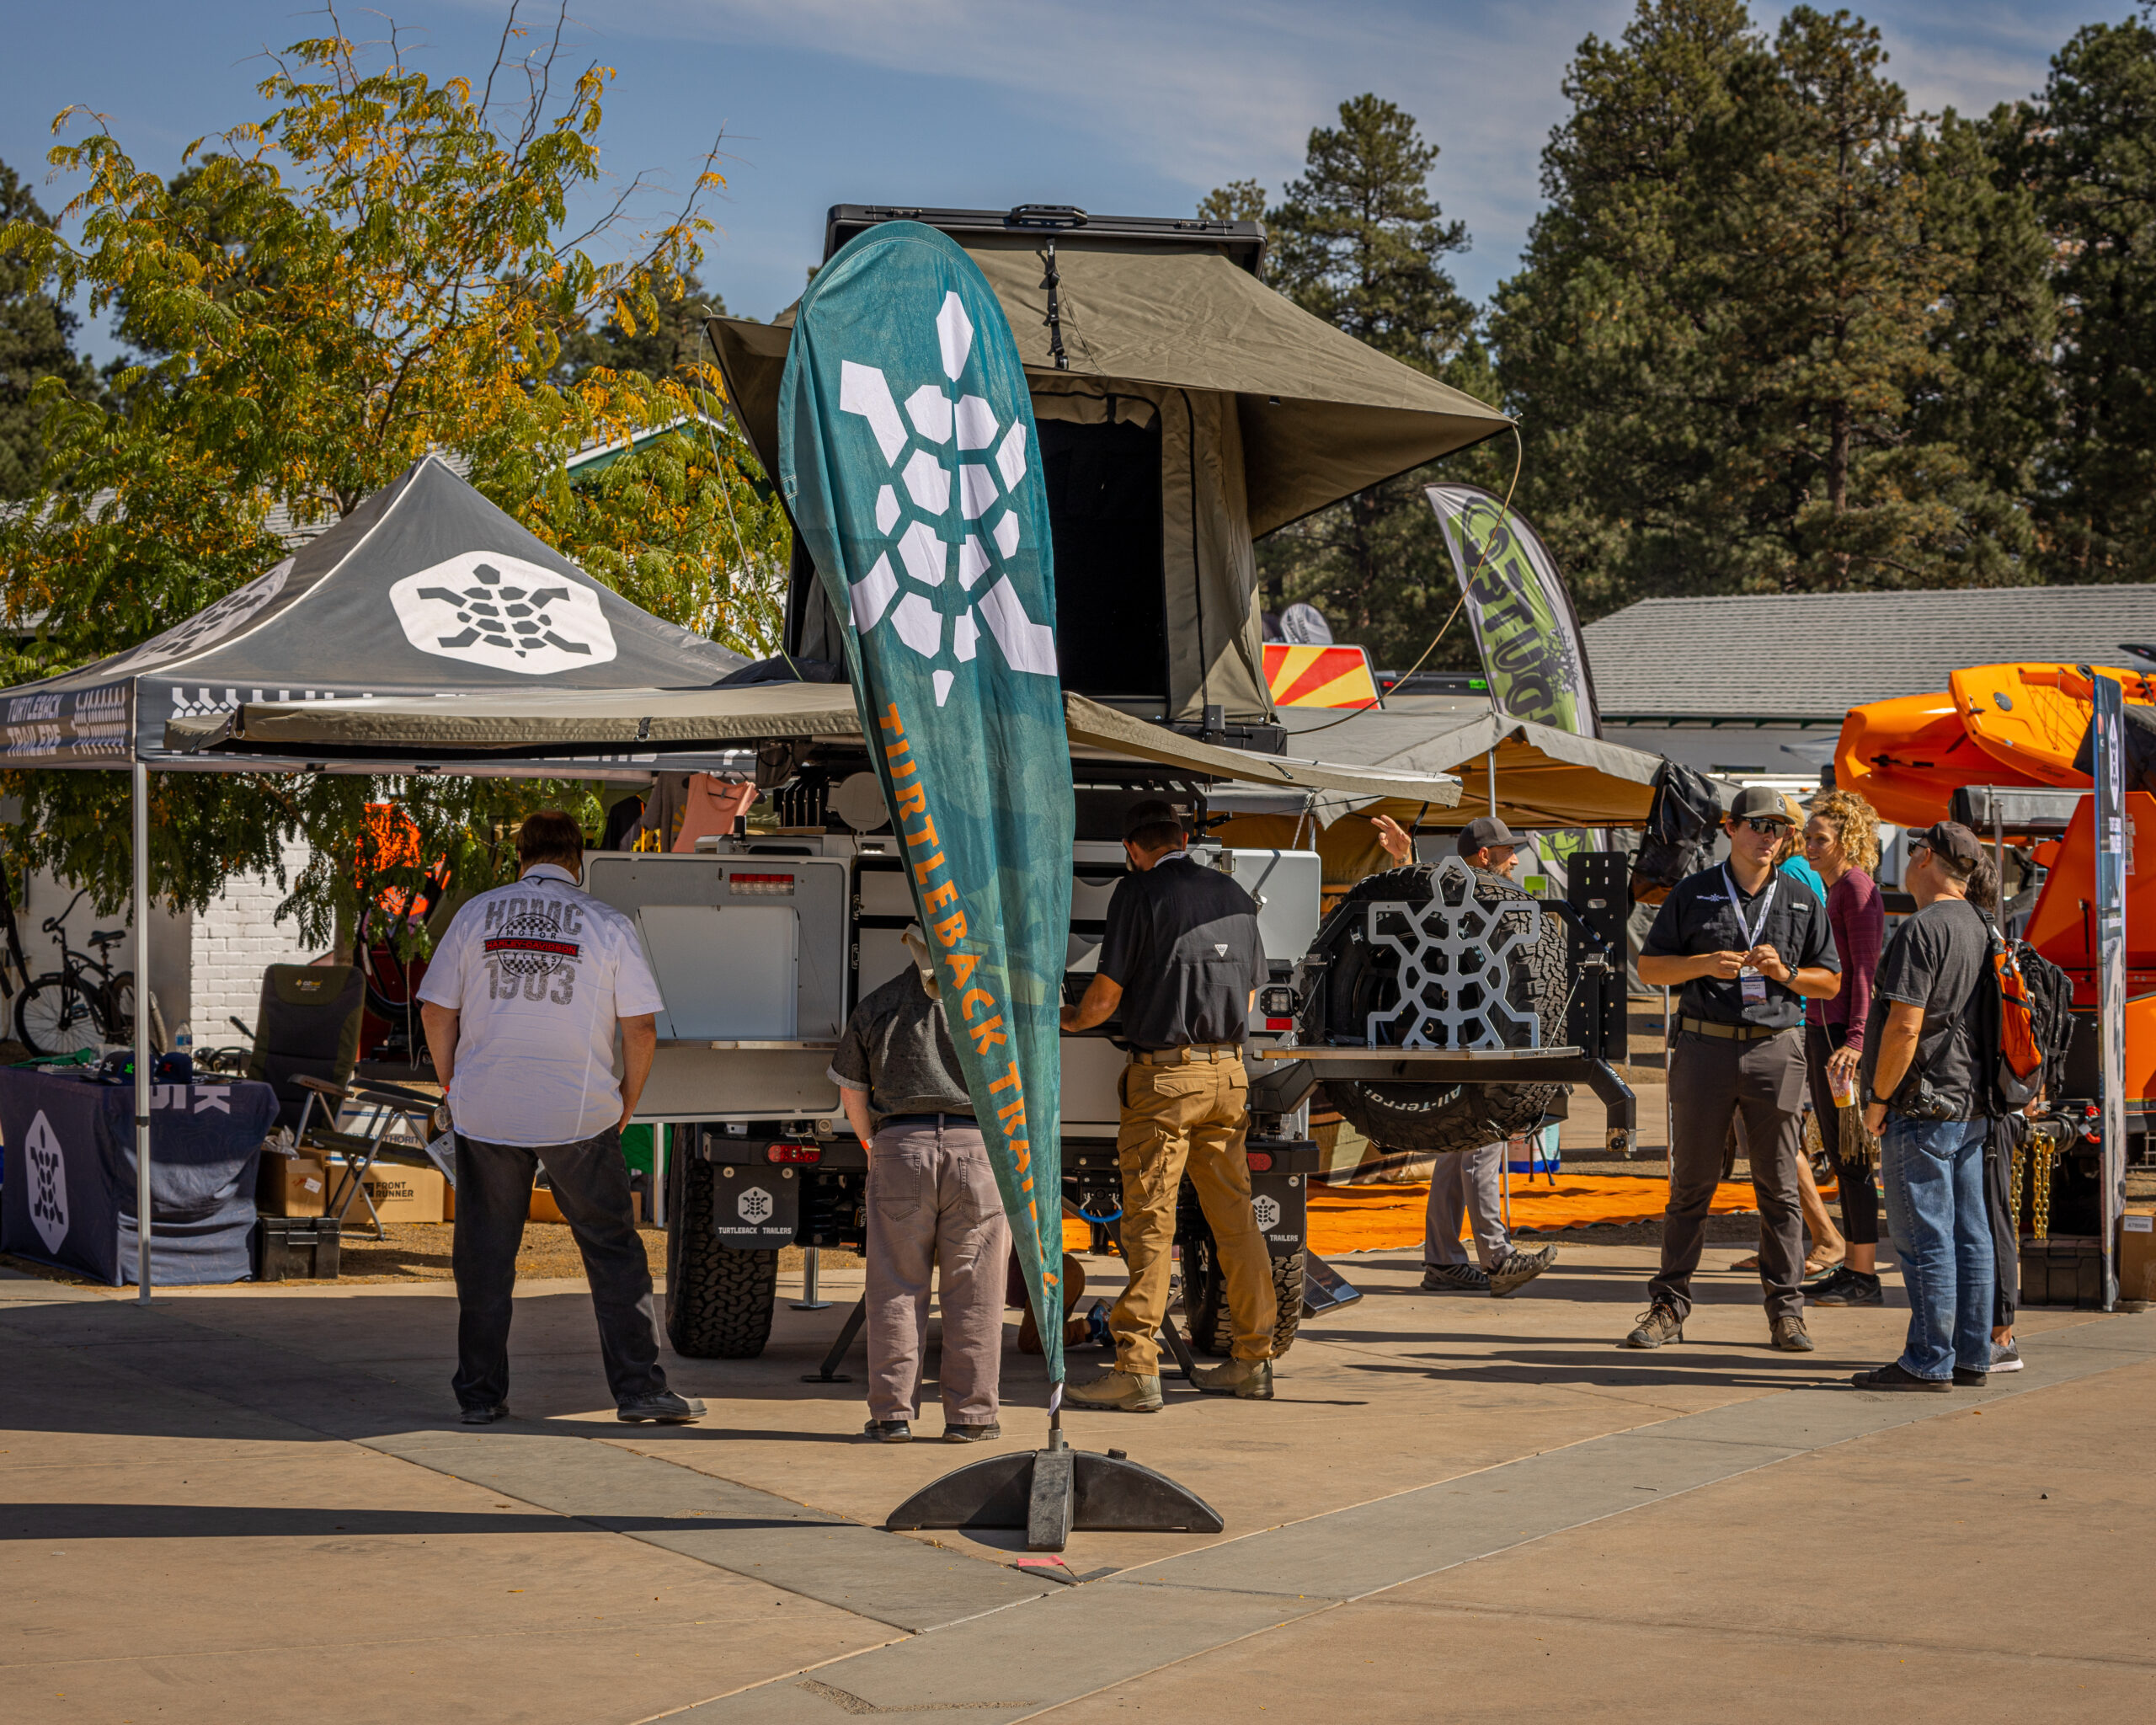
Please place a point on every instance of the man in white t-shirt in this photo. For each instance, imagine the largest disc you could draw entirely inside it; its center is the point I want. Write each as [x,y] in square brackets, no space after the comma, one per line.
[522,1006]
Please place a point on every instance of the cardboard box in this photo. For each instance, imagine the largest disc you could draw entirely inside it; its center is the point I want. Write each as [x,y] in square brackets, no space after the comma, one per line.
[289,1186]
[400,1194]
[2137,1256]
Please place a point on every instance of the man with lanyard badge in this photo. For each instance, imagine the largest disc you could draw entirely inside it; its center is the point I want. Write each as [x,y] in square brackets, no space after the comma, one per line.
[1180,956]
[1747,949]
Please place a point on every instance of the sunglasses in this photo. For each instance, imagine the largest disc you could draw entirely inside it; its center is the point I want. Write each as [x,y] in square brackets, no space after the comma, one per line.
[1766,828]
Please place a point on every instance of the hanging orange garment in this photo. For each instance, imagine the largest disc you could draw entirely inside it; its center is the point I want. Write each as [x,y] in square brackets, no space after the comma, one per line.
[710,805]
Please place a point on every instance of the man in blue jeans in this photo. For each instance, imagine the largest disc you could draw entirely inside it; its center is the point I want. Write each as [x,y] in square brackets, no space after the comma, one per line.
[1926,1086]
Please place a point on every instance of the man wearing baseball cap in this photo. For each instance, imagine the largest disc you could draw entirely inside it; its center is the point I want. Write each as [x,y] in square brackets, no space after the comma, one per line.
[1926,1095]
[1468,1183]
[1182,960]
[1748,946]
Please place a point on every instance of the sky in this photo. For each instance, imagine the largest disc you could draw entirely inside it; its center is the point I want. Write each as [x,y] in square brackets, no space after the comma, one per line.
[1125,107]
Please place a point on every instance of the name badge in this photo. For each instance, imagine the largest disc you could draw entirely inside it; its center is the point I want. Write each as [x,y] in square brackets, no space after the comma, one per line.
[1753,987]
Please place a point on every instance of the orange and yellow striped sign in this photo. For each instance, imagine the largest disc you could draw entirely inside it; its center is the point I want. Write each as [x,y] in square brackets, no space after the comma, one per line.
[1319,676]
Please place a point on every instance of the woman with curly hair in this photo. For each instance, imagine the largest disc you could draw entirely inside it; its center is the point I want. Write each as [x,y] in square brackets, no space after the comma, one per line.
[1841,841]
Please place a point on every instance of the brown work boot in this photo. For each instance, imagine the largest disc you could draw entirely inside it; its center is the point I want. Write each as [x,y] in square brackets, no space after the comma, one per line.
[1119,1392]
[1657,1324]
[1251,1380]
[1789,1336]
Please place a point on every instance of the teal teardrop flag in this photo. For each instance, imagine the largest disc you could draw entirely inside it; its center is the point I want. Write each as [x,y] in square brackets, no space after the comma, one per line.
[909,458]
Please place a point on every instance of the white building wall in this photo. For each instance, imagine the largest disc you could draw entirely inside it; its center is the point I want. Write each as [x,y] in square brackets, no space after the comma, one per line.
[231,944]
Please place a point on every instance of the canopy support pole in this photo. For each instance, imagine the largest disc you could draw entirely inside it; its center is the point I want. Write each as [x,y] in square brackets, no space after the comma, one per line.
[1491,768]
[142,865]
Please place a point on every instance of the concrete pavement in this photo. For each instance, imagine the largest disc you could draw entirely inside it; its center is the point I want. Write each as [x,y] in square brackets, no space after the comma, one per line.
[241,1496]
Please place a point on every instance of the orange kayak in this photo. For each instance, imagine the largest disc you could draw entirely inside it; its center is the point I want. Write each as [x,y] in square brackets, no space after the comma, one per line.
[2031,717]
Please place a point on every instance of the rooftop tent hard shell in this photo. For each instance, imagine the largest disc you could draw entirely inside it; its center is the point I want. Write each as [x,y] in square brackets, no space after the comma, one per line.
[427,588]
[1239,411]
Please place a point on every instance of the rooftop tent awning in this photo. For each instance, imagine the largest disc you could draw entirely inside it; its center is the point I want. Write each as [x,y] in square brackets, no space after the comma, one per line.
[1545,776]
[426,588]
[482,728]
[1186,318]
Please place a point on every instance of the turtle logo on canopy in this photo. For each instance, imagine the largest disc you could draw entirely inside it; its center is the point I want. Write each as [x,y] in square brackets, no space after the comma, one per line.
[502,612]
[957,467]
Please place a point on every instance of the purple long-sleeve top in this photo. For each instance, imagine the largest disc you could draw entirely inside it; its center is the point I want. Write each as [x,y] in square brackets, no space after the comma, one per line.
[1857,916]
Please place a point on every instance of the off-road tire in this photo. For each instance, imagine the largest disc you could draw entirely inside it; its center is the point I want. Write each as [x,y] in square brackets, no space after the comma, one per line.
[719,1299]
[1205,1298]
[1428,1117]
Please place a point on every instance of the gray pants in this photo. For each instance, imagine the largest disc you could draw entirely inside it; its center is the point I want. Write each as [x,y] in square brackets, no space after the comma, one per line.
[591,1183]
[1711,1078]
[1467,1184]
[932,1204]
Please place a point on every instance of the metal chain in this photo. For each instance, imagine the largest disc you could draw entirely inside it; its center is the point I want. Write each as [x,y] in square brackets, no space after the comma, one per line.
[2041,1194]
[2014,1185]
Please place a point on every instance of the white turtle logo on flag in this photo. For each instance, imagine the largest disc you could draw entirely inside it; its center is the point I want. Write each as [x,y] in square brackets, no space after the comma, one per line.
[48,1181]
[981,485]
[504,613]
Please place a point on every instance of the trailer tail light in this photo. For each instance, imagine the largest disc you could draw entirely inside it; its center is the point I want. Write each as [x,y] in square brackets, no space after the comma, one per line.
[1260,1161]
[1279,1023]
[769,885]
[794,1153]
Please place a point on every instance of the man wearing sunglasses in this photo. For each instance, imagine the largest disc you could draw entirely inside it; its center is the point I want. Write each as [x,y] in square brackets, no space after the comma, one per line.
[1747,947]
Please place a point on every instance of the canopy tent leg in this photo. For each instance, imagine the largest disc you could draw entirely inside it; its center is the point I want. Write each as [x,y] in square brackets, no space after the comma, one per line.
[142,907]
[1490,769]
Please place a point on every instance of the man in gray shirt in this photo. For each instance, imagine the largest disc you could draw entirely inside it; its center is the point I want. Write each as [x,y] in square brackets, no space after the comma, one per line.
[931,1202]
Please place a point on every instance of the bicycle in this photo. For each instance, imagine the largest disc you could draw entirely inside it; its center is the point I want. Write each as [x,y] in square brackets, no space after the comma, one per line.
[85,1004]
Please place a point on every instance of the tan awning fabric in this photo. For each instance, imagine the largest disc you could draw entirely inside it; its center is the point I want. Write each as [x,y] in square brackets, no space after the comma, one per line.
[559,720]
[1189,318]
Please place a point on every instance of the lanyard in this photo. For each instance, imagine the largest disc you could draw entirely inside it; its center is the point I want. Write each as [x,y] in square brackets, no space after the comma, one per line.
[1766,904]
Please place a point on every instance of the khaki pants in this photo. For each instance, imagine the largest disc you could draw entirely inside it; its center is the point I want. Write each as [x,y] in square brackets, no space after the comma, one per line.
[1191,1115]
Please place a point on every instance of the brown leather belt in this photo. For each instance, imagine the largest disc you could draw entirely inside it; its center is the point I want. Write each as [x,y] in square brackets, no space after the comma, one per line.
[1732,1033]
[1215,1052]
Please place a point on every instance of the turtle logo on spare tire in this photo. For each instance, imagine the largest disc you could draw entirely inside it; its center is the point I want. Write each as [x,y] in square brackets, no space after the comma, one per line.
[1498,972]
[1266,1210]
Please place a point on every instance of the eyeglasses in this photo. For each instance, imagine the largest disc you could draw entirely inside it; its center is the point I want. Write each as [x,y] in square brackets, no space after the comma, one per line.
[1761,824]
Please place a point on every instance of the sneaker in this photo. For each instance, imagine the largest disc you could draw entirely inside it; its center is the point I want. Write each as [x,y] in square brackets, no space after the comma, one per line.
[1846,1287]
[1119,1392]
[1788,1335]
[1250,1380]
[971,1434]
[499,1410]
[1892,1377]
[1964,1379]
[1519,1270]
[1657,1324]
[1455,1278]
[888,1431]
[2006,1356]
[664,1408]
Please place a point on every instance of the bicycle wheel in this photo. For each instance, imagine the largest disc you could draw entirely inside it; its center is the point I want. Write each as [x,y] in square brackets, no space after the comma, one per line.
[121,991]
[55,1015]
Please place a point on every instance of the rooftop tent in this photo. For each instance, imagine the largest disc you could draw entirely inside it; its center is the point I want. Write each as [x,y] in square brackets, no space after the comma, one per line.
[426,589]
[1198,410]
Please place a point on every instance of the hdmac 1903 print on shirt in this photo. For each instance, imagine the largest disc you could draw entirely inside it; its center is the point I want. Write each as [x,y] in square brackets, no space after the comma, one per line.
[537,974]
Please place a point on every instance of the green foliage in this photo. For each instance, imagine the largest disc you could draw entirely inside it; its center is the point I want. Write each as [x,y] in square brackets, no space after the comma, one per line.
[36,341]
[378,267]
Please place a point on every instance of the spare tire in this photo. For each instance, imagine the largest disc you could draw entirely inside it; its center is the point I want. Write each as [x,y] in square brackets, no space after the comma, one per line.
[1361,977]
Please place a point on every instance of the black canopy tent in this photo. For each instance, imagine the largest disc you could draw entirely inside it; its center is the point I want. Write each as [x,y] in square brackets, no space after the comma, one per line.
[426,590]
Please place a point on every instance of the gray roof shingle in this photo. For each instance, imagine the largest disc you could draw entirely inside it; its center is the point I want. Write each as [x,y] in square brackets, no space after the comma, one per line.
[1815,655]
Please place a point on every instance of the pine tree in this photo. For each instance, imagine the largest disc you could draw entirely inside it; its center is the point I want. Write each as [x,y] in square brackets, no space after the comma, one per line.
[37,334]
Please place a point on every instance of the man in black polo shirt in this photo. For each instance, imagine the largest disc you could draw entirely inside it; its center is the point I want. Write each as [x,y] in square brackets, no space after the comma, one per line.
[1749,946]
[1182,959]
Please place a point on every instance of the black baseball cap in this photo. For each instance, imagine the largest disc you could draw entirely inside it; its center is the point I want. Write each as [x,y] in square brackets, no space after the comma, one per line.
[1952,841]
[1758,802]
[1152,812]
[1483,831]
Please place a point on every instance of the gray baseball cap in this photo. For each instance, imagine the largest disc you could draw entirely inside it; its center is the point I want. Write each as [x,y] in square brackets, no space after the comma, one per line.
[1483,831]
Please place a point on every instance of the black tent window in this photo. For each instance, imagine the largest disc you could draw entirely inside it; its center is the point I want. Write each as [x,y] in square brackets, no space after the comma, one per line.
[1110,587]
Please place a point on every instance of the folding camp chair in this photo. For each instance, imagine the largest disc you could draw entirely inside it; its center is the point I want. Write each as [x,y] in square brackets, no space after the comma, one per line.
[306,1047]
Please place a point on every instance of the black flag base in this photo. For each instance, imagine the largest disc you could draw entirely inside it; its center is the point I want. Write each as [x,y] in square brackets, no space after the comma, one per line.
[1053,1493]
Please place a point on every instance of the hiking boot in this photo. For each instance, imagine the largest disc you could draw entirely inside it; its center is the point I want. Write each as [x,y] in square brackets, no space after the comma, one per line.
[664,1408]
[1657,1324]
[1455,1278]
[1519,1270]
[485,1416]
[971,1434]
[1251,1380]
[1964,1379]
[1788,1336]
[1119,1392]
[1846,1287]
[888,1431]
[2005,1356]
[1892,1377]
